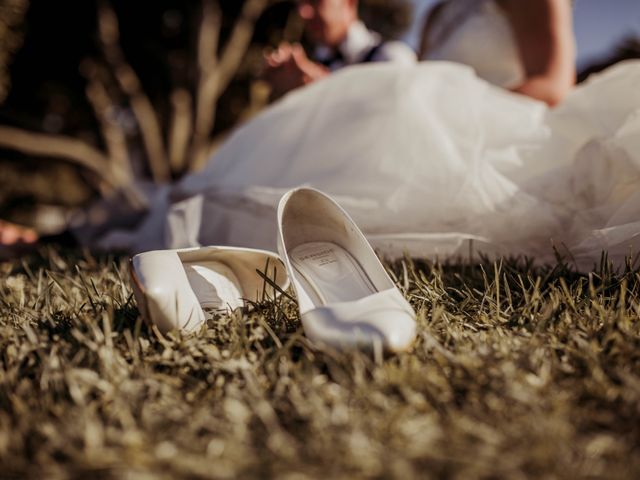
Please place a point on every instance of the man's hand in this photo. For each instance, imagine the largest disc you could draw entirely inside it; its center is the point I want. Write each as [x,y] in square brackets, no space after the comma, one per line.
[288,67]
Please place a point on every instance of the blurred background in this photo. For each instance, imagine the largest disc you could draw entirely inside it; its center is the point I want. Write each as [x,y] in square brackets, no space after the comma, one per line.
[601,27]
[96,95]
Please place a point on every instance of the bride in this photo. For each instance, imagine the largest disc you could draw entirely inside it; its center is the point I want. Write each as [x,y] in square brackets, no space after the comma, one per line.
[429,159]
[526,47]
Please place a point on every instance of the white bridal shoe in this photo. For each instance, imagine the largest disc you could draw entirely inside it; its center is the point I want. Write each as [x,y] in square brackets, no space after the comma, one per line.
[346,298]
[177,289]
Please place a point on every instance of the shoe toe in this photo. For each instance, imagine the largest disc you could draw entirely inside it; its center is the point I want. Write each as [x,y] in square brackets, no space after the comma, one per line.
[396,328]
[401,335]
[381,318]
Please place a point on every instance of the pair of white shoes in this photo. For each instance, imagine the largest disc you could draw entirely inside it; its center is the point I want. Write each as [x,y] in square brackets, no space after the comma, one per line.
[345,296]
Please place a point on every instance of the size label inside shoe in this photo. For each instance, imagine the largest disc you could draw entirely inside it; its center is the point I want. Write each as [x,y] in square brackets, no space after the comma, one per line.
[319,258]
[331,273]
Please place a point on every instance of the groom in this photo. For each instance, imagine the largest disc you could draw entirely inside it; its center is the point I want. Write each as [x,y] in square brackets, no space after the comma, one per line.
[339,39]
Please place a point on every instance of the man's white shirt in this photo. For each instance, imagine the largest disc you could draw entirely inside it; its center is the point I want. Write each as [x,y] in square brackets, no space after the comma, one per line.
[361,43]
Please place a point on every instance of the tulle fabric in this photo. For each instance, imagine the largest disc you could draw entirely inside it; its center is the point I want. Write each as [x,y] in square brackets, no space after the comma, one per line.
[431,161]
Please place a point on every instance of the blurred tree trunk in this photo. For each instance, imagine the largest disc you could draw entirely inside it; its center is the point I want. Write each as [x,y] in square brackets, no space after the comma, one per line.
[171,129]
[12,13]
[134,91]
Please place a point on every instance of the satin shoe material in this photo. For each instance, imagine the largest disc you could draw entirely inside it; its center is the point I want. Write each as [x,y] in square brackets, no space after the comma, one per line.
[178,289]
[345,296]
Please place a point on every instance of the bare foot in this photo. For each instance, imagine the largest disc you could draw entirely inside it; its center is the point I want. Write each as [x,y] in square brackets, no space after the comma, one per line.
[13,234]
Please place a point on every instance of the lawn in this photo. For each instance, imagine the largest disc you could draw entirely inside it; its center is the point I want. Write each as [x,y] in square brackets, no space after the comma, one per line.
[519,371]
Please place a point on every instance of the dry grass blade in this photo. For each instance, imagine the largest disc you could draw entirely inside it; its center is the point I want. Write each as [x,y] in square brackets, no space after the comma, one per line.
[518,372]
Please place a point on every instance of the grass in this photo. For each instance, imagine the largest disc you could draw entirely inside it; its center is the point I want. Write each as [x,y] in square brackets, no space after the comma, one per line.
[518,372]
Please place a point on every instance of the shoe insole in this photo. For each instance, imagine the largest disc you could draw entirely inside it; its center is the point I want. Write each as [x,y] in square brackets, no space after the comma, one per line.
[329,273]
[216,286]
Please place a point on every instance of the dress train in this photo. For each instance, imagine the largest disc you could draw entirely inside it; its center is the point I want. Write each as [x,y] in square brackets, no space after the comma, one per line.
[426,159]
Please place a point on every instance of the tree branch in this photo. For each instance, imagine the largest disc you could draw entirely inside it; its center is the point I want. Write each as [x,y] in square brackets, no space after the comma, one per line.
[130,84]
[113,135]
[205,98]
[216,80]
[238,43]
[180,130]
[73,150]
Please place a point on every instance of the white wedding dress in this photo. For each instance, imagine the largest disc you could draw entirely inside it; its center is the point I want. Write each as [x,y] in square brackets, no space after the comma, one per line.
[429,160]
